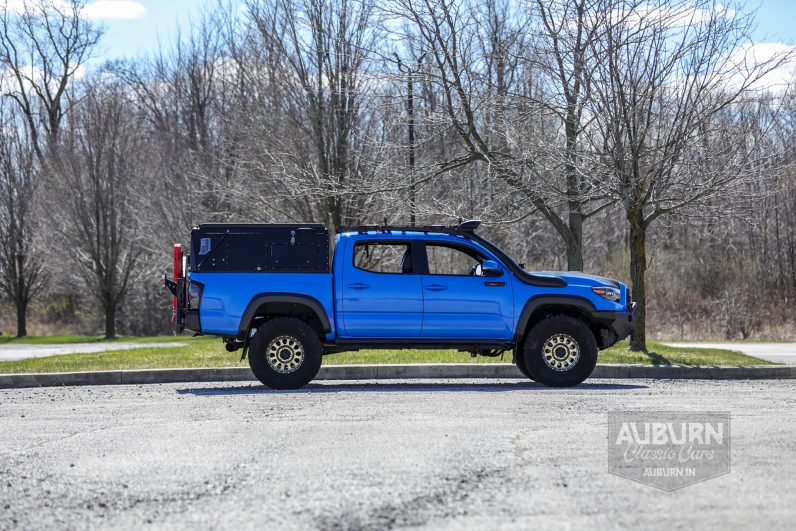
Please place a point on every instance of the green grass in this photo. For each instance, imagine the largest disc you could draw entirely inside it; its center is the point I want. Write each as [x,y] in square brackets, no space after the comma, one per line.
[736,341]
[664,355]
[60,340]
[658,355]
[209,352]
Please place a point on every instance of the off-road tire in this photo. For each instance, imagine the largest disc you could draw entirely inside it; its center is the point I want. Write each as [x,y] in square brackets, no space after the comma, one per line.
[553,342]
[296,336]
[519,361]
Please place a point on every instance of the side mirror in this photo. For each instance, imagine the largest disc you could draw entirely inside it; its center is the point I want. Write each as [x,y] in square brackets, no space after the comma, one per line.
[489,268]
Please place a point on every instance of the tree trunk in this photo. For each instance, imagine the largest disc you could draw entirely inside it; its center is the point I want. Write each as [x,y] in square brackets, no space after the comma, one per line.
[574,239]
[574,242]
[110,321]
[19,297]
[638,268]
[22,319]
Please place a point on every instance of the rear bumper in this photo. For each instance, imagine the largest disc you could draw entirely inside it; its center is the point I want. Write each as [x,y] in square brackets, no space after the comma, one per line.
[621,323]
[182,317]
[191,321]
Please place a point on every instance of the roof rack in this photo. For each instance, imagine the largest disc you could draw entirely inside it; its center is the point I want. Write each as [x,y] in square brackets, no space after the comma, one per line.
[465,227]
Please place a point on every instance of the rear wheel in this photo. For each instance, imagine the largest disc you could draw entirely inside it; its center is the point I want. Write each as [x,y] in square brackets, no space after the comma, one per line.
[519,361]
[285,353]
[560,351]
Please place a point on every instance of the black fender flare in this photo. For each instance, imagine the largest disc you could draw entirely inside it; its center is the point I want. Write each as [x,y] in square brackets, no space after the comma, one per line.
[291,298]
[534,303]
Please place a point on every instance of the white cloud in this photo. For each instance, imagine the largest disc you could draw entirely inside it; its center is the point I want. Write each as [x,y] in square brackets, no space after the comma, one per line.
[15,6]
[773,62]
[114,10]
[637,15]
[18,7]
[672,16]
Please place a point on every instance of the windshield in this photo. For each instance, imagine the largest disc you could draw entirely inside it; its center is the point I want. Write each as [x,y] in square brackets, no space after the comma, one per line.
[497,251]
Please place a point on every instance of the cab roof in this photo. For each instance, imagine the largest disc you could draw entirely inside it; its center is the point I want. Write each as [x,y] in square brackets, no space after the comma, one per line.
[464,228]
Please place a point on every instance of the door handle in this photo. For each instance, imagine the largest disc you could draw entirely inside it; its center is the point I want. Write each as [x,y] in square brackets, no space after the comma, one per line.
[436,287]
[359,285]
[494,284]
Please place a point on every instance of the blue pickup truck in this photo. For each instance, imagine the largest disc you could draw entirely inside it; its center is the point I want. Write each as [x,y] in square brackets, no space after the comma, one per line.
[270,290]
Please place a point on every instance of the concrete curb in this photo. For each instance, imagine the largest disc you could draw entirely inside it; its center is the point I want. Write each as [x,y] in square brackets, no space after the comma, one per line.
[385,372]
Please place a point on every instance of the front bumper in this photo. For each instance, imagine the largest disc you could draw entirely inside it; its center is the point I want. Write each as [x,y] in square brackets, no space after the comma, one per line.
[621,323]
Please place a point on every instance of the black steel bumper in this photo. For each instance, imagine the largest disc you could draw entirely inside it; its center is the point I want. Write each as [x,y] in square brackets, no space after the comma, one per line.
[183,318]
[191,321]
[622,323]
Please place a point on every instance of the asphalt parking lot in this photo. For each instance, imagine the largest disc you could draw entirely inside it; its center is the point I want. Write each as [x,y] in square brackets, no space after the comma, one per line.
[350,455]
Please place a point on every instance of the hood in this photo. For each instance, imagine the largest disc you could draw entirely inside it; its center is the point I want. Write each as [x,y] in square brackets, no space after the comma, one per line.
[579,278]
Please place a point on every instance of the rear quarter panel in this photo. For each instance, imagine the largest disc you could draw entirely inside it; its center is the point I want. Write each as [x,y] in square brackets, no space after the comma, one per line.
[226,296]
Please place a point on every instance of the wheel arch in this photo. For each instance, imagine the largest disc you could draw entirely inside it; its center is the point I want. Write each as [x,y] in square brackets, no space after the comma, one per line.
[304,307]
[541,306]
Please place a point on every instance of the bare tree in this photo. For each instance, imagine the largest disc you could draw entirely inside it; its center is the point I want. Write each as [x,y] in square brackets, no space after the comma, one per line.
[21,271]
[96,182]
[667,79]
[567,31]
[492,100]
[190,104]
[43,46]
[323,83]
[590,124]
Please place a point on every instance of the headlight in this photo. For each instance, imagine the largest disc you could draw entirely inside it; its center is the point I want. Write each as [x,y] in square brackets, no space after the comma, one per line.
[606,292]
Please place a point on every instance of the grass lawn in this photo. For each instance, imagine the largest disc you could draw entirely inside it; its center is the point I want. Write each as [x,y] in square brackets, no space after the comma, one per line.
[209,352]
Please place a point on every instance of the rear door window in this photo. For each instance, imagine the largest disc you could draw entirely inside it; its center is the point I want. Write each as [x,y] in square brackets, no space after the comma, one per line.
[381,257]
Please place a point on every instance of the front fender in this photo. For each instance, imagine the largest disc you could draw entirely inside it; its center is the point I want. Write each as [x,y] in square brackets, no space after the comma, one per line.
[582,305]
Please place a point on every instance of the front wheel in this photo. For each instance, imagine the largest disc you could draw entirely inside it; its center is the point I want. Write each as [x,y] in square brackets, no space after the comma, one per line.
[560,351]
[285,353]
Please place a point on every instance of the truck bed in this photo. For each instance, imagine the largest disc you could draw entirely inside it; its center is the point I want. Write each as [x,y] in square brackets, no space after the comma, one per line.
[227,295]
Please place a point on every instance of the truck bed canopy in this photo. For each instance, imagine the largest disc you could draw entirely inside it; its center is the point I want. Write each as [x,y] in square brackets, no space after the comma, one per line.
[251,247]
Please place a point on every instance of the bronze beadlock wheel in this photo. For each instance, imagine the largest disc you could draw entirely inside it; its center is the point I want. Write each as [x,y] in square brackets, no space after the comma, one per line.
[285,353]
[560,351]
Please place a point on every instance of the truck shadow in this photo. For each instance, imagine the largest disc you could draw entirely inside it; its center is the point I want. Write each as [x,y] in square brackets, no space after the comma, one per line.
[658,359]
[497,387]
